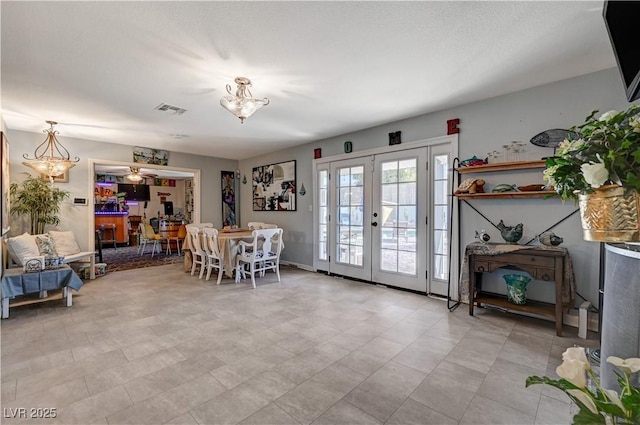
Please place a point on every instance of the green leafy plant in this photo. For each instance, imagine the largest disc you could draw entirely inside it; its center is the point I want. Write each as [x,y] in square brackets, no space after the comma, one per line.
[597,405]
[39,200]
[605,150]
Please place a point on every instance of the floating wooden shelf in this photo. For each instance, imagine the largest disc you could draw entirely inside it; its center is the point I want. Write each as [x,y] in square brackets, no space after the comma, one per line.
[533,307]
[33,299]
[506,195]
[502,166]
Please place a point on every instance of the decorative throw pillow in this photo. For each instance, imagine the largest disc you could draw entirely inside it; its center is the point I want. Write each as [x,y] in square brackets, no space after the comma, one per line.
[65,242]
[46,246]
[21,247]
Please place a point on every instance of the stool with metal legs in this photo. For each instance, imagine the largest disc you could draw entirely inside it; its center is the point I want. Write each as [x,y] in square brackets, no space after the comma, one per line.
[111,228]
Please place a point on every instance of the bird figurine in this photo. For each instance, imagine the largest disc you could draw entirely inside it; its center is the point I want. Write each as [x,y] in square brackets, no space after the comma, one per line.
[550,239]
[511,234]
[482,236]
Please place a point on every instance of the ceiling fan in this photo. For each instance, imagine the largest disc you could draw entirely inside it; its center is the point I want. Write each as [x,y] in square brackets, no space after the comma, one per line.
[136,175]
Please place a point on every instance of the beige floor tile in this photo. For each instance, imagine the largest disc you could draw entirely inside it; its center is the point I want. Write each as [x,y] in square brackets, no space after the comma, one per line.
[185,419]
[345,413]
[171,376]
[363,363]
[382,393]
[505,383]
[300,368]
[96,408]
[36,364]
[56,397]
[126,372]
[413,413]
[8,389]
[449,389]
[270,414]
[424,354]
[234,374]
[170,404]
[483,411]
[552,412]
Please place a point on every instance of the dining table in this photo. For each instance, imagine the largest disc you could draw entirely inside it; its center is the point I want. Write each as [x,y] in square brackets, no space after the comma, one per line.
[228,240]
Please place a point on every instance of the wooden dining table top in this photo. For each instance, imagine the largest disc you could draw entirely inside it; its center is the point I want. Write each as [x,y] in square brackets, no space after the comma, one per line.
[235,234]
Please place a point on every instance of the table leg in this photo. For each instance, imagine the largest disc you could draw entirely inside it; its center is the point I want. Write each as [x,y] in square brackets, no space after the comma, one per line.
[5,308]
[67,294]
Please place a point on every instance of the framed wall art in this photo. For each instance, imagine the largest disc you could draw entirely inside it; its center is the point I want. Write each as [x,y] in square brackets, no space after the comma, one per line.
[4,189]
[228,198]
[150,156]
[274,187]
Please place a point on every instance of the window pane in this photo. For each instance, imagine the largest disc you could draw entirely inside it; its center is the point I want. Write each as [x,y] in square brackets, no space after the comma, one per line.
[441,166]
[389,172]
[407,193]
[389,260]
[356,216]
[389,216]
[356,255]
[323,251]
[389,194]
[407,170]
[322,215]
[440,192]
[407,216]
[357,176]
[441,270]
[407,262]
[344,177]
[440,242]
[440,219]
[322,234]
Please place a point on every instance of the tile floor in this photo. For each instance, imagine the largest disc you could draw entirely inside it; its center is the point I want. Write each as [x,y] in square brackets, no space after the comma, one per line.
[156,345]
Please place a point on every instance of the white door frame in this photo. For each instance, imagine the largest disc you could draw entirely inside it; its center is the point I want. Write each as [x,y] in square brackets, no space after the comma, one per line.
[452,140]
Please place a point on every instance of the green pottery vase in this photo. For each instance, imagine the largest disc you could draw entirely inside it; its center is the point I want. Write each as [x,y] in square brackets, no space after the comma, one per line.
[517,288]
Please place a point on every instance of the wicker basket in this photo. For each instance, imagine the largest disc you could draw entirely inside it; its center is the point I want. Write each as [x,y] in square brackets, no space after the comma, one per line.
[610,214]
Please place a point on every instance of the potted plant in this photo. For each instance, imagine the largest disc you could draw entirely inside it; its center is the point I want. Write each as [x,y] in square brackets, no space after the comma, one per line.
[597,405]
[39,200]
[600,169]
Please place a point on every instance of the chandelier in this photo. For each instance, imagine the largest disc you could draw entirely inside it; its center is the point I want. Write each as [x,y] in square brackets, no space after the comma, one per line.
[242,105]
[135,174]
[51,158]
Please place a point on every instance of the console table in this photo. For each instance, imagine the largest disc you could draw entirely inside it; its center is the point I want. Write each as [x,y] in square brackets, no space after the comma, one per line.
[16,282]
[551,264]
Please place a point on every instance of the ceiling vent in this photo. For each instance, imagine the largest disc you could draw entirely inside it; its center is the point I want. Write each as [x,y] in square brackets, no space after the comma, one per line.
[170,108]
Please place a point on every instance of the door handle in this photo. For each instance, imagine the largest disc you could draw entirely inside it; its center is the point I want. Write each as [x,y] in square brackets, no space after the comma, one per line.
[374,224]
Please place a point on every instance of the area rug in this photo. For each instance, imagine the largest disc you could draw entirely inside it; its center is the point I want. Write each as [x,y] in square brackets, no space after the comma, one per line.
[127,258]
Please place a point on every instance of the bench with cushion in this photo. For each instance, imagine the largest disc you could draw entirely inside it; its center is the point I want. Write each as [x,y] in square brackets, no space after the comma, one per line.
[53,243]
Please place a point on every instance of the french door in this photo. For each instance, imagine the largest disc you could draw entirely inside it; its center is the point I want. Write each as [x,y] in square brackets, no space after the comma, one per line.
[373,218]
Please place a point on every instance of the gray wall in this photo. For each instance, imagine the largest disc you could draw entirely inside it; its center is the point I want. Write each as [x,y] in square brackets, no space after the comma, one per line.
[75,217]
[484,127]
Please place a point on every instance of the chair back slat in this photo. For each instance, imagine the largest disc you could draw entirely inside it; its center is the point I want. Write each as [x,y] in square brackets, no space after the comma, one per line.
[196,241]
[211,242]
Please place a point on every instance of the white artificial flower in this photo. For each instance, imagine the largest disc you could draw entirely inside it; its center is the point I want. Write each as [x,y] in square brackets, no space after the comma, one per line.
[608,115]
[595,174]
[548,173]
[576,353]
[585,399]
[631,365]
[573,371]
[635,123]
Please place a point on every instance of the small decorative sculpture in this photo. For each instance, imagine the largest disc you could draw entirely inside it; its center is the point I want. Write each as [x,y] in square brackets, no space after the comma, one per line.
[473,161]
[510,234]
[470,186]
[504,188]
[482,236]
[550,239]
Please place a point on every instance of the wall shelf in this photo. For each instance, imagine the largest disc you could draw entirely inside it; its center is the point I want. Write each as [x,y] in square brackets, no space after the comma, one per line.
[502,166]
[506,195]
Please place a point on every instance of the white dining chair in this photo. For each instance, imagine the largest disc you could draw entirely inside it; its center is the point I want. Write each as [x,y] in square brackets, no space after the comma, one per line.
[255,225]
[215,259]
[269,226]
[259,259]
[197,251]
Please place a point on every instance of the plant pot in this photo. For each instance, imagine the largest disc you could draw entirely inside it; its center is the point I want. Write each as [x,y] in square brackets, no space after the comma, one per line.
[610,214]
[517,288]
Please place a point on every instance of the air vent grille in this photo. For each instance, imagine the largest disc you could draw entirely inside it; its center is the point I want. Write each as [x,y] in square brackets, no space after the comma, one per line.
[165,107]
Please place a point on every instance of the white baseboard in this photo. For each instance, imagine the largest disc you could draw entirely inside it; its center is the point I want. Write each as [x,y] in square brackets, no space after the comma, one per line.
[300,266]
[572,319]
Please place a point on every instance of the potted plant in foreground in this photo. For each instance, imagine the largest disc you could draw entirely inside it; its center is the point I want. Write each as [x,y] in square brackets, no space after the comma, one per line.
[597,405]
[601,170]
[39,200]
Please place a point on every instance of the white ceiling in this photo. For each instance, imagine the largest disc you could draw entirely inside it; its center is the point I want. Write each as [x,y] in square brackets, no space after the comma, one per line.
[100,68]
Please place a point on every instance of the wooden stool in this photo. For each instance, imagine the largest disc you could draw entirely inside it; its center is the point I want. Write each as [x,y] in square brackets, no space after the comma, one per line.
[111,227]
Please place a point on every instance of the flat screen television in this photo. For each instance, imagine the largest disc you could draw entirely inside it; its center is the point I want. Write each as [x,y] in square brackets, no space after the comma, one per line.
[621,20]
[135,192]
